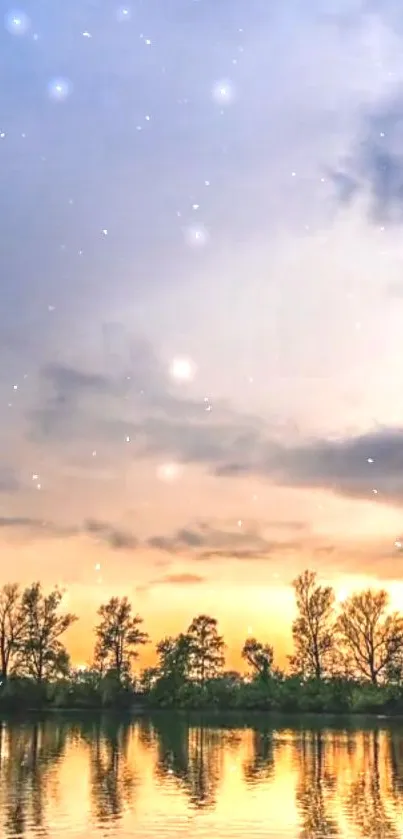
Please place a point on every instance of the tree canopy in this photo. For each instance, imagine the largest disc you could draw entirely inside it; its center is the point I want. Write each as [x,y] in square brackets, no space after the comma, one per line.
[118,636]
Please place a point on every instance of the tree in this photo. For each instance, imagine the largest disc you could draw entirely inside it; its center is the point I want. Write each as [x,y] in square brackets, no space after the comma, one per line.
[118,637]
[372,638]
[148,678]
[313,629]
[40,652]
[259,656]
[206,648]
[11,625]
[174,657]
[173,670]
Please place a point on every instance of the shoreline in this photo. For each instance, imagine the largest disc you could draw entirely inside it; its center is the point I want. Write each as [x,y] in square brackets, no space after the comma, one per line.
[212,713]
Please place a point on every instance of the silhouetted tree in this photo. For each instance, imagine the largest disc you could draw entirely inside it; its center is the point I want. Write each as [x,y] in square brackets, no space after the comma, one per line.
[394,668]
[148,678]
[259,656]
[312,630]
[11,625]
[372,638]
[41,654]
[118,637]
[174,656]
[207,648]
[173,670]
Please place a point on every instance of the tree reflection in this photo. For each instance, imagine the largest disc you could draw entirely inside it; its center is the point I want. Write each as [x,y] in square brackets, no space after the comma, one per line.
[205,765]
[368,801]
[314,786]
[396,764]
[30,753]
[261,764]
[348,782]
[172,740]
[112,777]
[193,756]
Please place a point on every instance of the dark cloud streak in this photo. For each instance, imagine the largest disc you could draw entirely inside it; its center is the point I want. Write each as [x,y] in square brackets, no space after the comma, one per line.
[374,167]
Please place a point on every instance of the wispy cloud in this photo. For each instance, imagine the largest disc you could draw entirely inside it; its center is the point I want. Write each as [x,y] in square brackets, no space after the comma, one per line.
[374,168]
[25,527]
[204,540]
[77,405]
[36,528]
[9,481]
[228,444]
[113,536]
[184,579]
[368,466]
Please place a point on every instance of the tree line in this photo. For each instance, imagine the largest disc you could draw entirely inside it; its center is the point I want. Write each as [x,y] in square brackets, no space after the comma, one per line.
[346,657]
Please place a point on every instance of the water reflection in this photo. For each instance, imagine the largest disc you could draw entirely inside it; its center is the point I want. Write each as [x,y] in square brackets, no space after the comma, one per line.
[171,776]
[193,756]
[369,797]
[315,787]
[260,761]
[113,778]
[28,757]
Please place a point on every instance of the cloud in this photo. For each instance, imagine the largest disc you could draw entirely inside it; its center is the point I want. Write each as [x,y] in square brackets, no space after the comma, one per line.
[19,521]
[329,557]
[374,167]
[378,559]
[368,466]
[140,403]
[179,579]
[113,536]
[355,465]
[226,442]
[69,382]
[205,541]
[67,398]
[35,528]
[9,481]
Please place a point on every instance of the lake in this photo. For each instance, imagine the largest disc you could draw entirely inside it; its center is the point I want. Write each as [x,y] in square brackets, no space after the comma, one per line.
[166,777]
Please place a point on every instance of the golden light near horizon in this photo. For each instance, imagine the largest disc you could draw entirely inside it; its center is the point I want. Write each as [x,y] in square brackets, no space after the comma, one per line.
[169,472]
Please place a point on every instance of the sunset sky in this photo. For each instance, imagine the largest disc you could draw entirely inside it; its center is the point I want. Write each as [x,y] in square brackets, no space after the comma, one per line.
[201,305]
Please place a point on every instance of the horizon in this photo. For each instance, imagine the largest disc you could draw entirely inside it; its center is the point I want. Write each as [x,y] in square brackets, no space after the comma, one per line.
[146,655]
[200,312]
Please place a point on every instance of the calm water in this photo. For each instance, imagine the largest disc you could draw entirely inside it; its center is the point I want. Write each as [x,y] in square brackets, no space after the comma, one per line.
[163,777]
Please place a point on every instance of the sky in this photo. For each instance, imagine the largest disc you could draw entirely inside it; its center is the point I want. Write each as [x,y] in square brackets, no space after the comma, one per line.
[201,301]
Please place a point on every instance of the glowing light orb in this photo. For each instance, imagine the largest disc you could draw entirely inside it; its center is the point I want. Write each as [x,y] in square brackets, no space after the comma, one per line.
[123,14]
[196,237]
[182,369]
[17,22]
[168,472]
[223,92]
[59,89]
